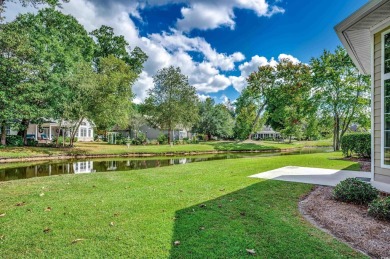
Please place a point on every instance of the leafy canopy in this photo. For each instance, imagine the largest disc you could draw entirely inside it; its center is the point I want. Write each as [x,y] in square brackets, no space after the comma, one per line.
[172,102]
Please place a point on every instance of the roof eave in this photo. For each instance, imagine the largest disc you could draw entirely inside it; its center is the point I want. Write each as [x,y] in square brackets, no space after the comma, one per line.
[347,23]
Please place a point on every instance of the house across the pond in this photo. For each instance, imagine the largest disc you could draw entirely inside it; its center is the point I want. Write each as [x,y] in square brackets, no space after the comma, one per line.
[267,132]
[366,36]
[48,129]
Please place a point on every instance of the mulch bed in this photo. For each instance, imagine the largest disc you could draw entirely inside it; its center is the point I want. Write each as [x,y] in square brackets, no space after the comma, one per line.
[347,222]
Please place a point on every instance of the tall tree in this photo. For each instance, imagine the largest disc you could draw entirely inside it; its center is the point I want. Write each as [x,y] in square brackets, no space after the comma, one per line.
[59,43]
[259,84]
[289,102]
[104,98]
[343,91]
[110,44]
[214,120]
[114,93]
[18,80]
[172,102]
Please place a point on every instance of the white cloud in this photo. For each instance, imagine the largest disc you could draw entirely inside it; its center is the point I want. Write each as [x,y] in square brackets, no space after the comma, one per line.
[239,82]
[289,57]
[205,15]
[203,97]
[14,9]
[176,41]
[173,47]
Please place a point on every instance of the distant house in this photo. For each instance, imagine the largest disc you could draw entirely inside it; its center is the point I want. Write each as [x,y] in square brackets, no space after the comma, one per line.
[366,36]
[153,133]
[266,133]
[49,129]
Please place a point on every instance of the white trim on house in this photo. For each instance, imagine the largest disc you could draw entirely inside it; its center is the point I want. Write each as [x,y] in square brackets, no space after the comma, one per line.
[384,77]
[355,30]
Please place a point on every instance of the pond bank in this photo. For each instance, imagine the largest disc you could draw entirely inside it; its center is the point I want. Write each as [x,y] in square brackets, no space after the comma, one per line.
[140,155]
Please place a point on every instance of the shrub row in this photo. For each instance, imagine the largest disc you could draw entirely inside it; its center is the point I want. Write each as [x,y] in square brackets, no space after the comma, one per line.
[356,143]
[14,141]
[355,191]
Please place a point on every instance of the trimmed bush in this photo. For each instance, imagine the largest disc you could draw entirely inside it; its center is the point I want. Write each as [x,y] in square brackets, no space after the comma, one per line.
[355,191]
[356,143]
[162,139]
[14,141]
[380,208]
[32,143]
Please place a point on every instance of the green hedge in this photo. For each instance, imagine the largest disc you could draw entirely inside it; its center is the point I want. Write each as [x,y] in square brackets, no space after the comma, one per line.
[355,191]
[356,144]
[380,208]
[14,141]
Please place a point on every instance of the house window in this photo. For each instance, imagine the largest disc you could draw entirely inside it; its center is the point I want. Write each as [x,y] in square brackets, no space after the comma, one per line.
[83,132]
[89,133]
[386,99]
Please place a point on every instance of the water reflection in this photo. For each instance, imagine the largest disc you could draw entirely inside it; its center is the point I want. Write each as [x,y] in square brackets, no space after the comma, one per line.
[39,169]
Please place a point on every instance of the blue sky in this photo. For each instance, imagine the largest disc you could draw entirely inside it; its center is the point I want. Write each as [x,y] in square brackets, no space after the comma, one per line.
[216,43]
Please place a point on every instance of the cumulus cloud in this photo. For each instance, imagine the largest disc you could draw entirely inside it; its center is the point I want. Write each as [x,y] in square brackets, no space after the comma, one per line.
[289,57]
[206,15]
[203,97]
[173,47]
[239,82]
[176,41]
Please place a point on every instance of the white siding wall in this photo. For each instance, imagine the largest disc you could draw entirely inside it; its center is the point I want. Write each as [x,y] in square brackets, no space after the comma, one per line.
[380,174]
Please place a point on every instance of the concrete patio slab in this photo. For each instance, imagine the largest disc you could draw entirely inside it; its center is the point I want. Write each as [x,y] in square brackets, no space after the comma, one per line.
[319,176]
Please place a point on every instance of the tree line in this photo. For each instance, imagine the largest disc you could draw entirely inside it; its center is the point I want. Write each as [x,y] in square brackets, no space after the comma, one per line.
[51,67]
[306,101]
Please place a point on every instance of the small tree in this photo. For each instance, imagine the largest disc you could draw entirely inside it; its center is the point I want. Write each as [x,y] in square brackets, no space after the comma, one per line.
[247,115]
[172,102]
[214,120]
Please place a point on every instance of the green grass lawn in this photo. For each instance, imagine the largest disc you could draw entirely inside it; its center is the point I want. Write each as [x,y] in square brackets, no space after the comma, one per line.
[100,148]
[212,208]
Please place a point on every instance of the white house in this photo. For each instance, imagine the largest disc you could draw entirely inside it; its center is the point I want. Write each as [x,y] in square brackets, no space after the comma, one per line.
[366,36]
[49,129]
[266,132]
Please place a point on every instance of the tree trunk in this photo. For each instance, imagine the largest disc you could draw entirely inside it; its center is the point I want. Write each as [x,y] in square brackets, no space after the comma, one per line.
[169,136]
[255,121]
[58,134]
[336,137]
[73,135]
[63,137]
[23,131]
[290,139]
[3,134]
[209,136]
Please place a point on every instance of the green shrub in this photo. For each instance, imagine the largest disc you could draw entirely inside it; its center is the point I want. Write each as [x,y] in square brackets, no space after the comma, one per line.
[32,143]
[356,143]
[14,141]
[380,208]
[140,139]
[355,191]
[61,140]
[162,139]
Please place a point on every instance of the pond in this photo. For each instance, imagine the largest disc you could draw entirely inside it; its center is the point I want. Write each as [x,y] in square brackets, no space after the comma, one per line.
[17,171]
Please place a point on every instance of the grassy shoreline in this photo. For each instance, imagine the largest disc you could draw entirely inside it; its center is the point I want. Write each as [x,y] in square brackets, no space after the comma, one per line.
[213,208]
[99,149]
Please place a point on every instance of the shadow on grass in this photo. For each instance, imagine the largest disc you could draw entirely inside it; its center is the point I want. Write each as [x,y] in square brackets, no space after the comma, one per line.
[237,146]
[263,217]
